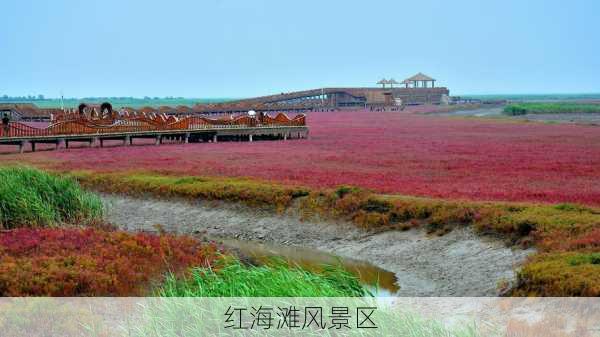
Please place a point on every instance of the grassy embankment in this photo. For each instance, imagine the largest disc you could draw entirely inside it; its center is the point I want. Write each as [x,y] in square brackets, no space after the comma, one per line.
[53,243]
[550,108]
[567,236]
[276,280]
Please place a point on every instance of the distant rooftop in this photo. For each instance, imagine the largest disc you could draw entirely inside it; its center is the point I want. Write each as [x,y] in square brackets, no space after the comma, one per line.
[418,77]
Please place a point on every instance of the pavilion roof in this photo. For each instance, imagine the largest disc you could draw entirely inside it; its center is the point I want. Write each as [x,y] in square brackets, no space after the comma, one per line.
[418,77]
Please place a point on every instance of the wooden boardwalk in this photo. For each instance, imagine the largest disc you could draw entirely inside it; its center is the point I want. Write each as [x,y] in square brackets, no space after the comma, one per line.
[95,130]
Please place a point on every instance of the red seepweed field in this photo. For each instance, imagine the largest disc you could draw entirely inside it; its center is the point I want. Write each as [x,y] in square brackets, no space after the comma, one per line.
[390,152]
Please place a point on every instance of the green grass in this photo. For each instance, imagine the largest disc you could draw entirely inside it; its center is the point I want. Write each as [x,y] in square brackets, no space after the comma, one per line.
[273,280]
[548,108]
[32,198]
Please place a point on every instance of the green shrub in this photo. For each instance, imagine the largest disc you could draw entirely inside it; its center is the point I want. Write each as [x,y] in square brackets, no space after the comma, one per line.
[343,190]
[514,110]
[593,258]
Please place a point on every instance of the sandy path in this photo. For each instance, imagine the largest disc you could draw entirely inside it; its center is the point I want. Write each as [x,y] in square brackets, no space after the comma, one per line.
[460,263]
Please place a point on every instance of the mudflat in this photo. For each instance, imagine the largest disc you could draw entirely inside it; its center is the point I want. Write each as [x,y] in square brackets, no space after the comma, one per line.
[460,263]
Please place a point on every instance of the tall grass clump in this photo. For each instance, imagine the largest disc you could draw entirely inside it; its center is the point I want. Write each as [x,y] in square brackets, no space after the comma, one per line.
[273,280]
[33,198]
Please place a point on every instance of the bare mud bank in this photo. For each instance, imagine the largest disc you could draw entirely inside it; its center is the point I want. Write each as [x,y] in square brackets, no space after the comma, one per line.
[460,263]
[577,118]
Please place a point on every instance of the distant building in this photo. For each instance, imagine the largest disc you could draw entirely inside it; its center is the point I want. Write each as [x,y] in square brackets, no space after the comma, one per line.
[26,112]
[417,89]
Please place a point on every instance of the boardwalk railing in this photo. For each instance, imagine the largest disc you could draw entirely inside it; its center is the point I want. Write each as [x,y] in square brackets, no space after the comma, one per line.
[126,124]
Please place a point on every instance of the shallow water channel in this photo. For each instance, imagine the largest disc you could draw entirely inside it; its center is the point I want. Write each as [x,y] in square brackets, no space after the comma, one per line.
[378,281]
[402,263]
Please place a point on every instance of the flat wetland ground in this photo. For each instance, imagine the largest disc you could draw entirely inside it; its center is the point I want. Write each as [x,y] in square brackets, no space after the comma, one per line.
[451,159]
[389,152]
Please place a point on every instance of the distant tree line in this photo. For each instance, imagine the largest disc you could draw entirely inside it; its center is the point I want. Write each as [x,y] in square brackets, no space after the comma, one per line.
[114,98]
[22,98]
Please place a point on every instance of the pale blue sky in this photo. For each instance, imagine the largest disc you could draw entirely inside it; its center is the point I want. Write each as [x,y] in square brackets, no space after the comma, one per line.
[237,48]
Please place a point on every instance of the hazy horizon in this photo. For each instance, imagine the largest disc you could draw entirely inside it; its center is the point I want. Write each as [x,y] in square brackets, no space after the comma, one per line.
[229,48]
[234,98]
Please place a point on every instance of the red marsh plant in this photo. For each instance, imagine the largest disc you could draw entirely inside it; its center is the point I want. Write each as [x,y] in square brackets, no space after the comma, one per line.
[388,152]
[92,262]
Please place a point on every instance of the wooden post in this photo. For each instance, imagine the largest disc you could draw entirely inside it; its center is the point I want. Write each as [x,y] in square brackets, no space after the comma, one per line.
[101,142]
[126,141]
[22,146]
[32,146]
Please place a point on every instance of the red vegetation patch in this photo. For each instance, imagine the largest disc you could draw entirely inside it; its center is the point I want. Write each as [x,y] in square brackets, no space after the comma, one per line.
[589,241]
[91,262]
[390,152]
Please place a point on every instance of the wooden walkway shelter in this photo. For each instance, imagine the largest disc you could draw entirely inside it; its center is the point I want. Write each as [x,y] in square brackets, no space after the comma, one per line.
[91,125]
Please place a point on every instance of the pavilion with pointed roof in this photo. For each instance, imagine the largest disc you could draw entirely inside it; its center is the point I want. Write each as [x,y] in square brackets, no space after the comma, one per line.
[383,82]
[391,82]
[419,80]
